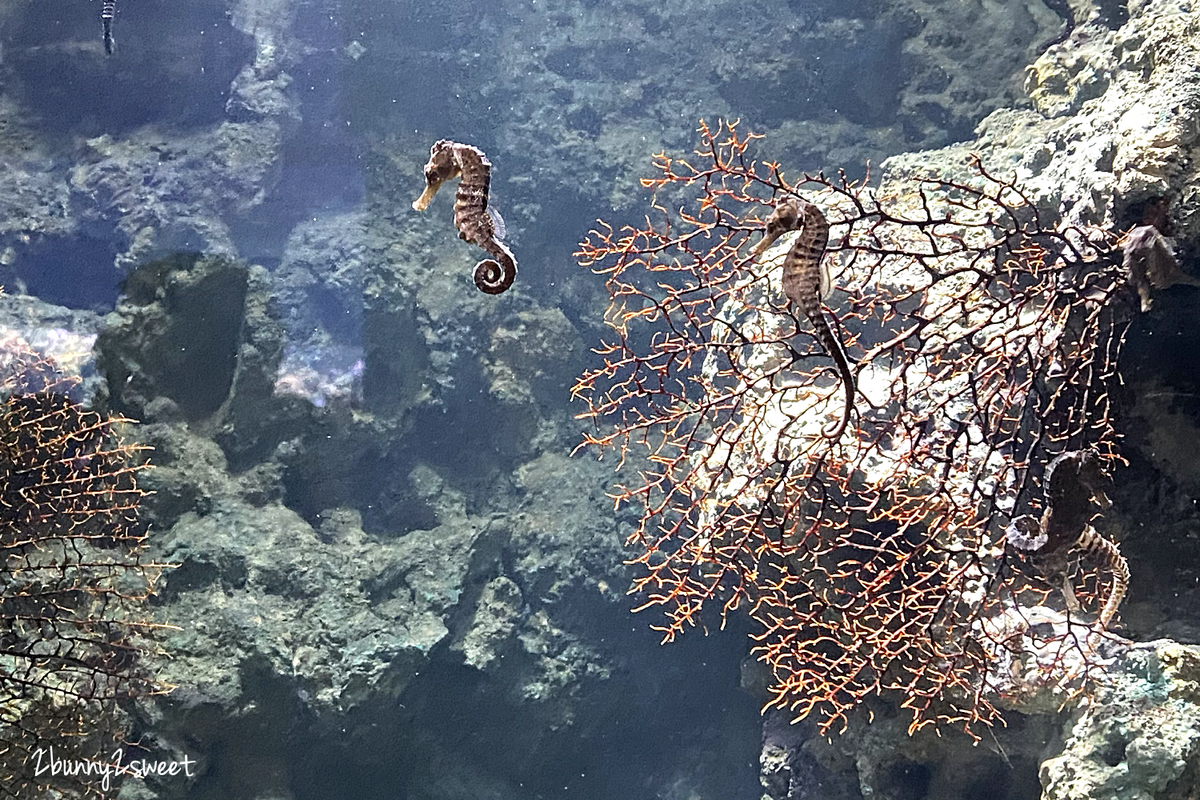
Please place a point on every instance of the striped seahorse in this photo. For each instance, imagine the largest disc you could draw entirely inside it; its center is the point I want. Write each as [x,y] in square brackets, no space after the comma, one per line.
[1074,488]
[805,283]
[475,220]
[107,10]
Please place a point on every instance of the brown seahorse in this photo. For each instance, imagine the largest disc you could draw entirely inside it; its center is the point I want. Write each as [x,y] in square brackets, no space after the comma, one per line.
[1150,263]
[1074,487]
[476,222]
[805,283]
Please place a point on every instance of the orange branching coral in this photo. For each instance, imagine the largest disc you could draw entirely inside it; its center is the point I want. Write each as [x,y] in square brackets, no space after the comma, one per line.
[73,579]
[984,343]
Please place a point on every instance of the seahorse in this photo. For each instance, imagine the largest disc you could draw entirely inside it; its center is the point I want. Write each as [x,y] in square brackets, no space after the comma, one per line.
[476,222]
[107,10]
[1150,263]
[805,283]
[1074,487]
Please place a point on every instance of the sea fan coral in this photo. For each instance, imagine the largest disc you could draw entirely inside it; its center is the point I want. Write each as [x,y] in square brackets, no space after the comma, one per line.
[73,578]
[984,342]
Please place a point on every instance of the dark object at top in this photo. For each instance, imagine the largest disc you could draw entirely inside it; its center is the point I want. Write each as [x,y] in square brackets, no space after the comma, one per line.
[106,17]
[475,221]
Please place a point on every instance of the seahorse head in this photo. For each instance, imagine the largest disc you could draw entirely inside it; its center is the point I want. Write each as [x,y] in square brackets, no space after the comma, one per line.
[441,167]
[1077,476]
[785,217]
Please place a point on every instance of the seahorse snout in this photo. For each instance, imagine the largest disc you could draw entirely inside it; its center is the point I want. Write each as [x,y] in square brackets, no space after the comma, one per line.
[422,202]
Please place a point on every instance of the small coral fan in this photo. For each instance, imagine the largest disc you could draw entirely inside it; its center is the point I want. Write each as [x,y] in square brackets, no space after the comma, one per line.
[72,580]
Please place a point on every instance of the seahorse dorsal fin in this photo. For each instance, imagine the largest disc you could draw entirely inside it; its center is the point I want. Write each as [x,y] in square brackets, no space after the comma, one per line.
[498,229]
[825,284]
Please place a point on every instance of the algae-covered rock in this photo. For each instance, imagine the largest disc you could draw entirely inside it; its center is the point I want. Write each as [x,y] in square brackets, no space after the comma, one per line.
[171,193]
[195,332]
[1138,737]
[496,616]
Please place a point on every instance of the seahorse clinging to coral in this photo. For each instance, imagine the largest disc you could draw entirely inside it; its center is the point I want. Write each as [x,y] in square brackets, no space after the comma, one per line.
[805,282]
[476,222]
[1074,487]
[1150,263]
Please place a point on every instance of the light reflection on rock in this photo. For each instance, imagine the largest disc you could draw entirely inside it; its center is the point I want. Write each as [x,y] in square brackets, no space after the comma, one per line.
[321,374]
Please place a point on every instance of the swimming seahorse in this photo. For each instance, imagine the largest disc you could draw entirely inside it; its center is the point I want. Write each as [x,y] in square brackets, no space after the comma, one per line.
[476,222]
[805,283]
[107,10]
[1074,487]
